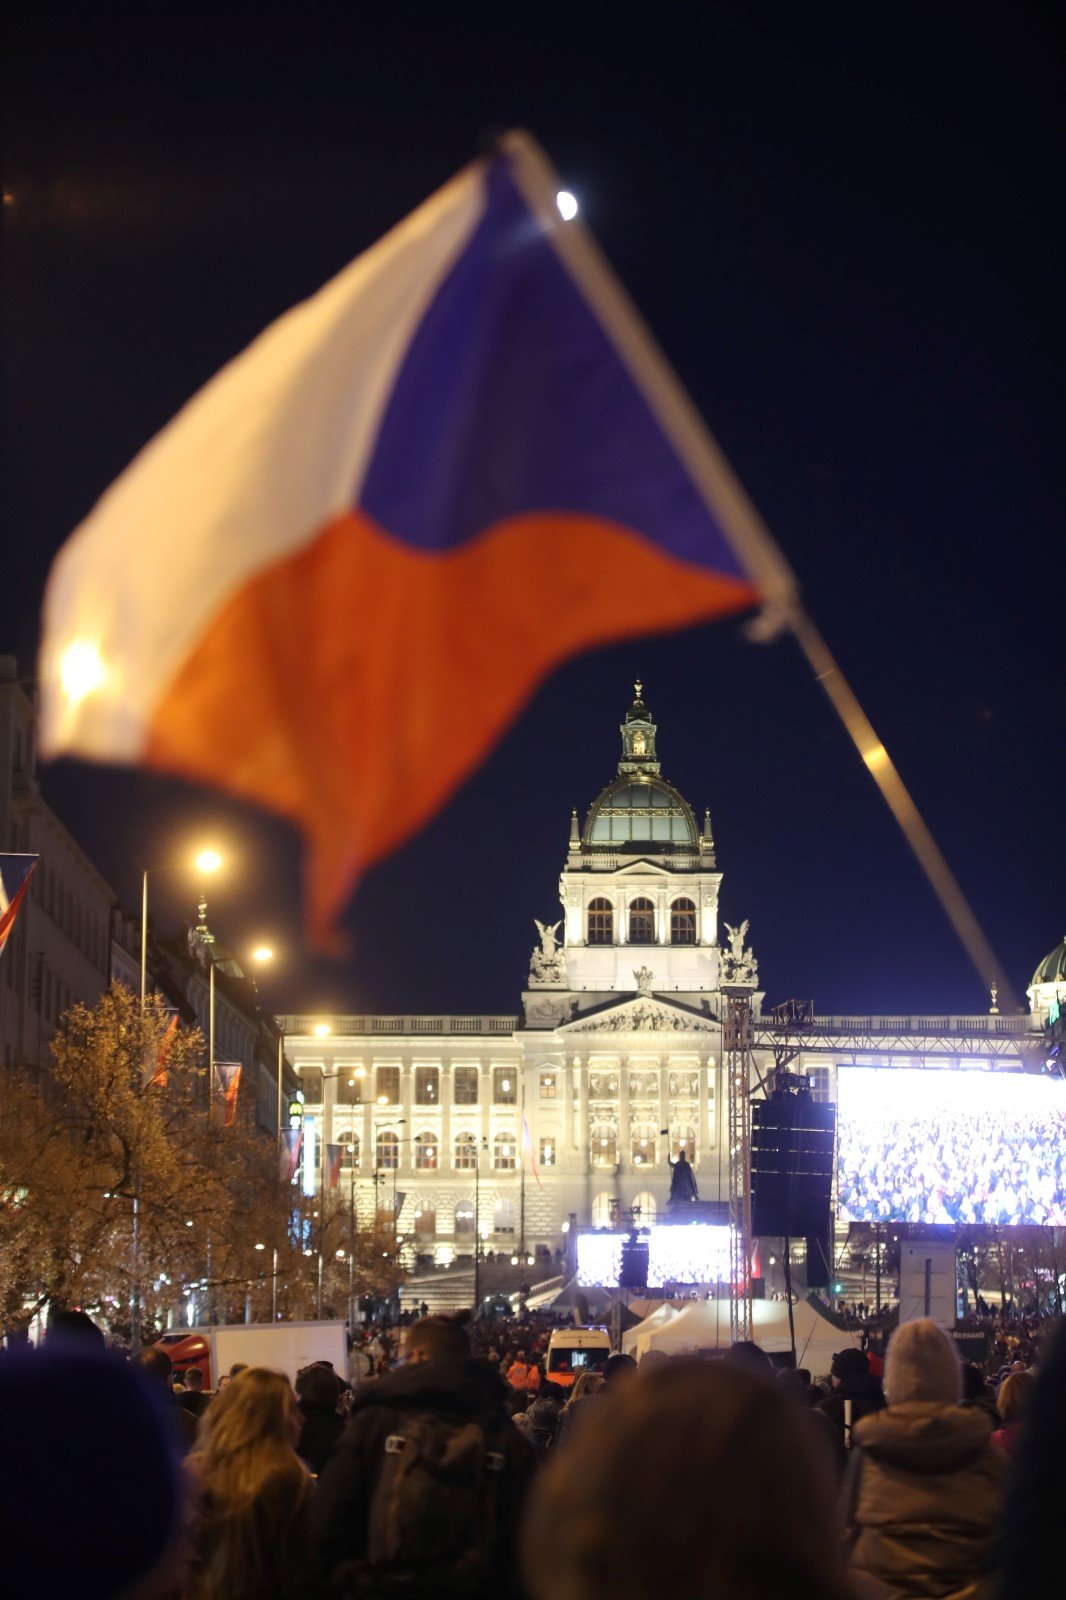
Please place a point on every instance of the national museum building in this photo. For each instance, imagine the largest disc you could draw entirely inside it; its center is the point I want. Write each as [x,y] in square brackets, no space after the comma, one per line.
[527,1121]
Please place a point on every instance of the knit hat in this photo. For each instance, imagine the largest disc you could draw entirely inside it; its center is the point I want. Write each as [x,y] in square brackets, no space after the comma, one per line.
[849,1363]
[922,1364]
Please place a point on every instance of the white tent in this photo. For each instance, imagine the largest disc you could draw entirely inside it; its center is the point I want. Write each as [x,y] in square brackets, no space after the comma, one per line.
[658,1318]
[704,1325]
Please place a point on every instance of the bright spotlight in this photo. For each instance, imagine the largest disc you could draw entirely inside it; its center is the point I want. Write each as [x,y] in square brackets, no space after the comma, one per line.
[322,1030]
[567,204]
[208,861]
[262,954]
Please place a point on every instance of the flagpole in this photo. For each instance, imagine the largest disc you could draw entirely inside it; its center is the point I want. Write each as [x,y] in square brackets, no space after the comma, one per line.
[745,529]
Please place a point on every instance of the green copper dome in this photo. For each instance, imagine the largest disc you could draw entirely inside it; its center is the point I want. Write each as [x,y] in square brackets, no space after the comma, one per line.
[1053,967]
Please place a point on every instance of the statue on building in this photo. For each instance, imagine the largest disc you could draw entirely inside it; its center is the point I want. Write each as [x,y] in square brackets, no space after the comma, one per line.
[547,966]
[643,975]
[738,964]
[683,1190]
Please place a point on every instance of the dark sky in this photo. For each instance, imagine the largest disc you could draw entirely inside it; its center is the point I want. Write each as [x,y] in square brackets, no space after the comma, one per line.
[843,223]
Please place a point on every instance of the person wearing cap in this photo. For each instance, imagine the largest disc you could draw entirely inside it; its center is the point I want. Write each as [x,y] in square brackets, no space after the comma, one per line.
[856,1393]
[924,1486]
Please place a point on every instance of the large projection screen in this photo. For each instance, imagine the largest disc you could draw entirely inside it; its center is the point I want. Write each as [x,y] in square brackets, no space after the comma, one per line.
[692,1254]
[967,1147]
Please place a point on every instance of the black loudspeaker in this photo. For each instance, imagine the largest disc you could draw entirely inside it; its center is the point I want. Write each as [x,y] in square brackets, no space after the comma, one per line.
[633,1273]
[792,1143]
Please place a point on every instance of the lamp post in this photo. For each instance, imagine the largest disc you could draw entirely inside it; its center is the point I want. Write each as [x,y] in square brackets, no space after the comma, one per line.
[207,861]
[263,956]
[322,1032]
[478,1147]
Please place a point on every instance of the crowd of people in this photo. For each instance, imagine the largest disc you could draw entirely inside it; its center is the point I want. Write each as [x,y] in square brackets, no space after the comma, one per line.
[957,1164]
[459,1468]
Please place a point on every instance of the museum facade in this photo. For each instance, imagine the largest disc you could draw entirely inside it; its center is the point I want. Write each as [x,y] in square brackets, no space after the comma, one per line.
[514,1127]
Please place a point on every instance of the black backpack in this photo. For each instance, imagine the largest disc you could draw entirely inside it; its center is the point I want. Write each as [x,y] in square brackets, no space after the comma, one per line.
[433,1520]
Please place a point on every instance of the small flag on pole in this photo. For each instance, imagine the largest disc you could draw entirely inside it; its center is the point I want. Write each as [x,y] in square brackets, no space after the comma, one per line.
[337,575]
[291,1142]
[334,1156]
[15,875]
[229,1082]
[527,1145]
[156,1071]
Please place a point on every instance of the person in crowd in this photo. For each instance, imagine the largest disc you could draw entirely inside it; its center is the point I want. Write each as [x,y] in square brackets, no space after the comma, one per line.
[540,1421]
[855,1394]
[250,1496]
[796,1382]
[751,1356]
[617,1373]
[976,1392]
[665,1489]
[194,1400]
[90,1480]
[1031,1547]
[424,1491]
[321,1424]
[156,1367]
[924,1485]
[1013,1398]
[73,1328]
[518,1372]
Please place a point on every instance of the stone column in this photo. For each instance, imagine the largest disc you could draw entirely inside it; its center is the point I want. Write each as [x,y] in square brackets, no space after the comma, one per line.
[664,1101]
[703,1143]
[623,1113]
[582,1071]
[566,1073]
[445,1161]
[407,1154]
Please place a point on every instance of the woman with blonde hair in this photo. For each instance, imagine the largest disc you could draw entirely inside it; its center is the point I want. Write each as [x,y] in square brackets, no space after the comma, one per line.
[249,1496]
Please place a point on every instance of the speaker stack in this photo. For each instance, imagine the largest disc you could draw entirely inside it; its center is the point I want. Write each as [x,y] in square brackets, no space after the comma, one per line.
[792,1152]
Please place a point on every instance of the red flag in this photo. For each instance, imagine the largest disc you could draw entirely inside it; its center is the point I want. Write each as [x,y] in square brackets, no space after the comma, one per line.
[158,1079]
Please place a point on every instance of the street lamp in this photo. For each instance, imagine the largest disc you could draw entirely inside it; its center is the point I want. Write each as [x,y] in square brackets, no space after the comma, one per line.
[207,861]
[262,956]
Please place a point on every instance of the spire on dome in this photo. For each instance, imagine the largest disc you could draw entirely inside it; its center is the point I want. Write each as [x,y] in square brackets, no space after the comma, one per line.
[638,737]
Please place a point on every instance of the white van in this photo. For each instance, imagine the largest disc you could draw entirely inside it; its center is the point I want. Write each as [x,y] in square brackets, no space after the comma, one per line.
[575,1350]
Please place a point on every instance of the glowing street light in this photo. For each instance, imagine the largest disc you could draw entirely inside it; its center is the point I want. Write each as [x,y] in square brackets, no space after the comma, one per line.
[567,204]
[262,955]
[322,1030]
[208,861]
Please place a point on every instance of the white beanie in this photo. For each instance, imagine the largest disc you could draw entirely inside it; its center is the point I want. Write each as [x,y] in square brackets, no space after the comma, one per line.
[922,1364]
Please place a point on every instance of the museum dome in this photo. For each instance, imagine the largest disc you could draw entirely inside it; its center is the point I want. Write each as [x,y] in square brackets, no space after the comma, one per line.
[1053,967]
[639,812]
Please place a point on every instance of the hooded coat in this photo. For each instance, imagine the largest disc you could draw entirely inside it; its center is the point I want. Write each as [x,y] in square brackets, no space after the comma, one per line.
[464,1391]
[922,1501]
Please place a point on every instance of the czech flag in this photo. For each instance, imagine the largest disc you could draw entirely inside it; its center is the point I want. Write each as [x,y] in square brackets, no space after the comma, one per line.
[335,577]
[289,1154]
[15,875]
[229,1083]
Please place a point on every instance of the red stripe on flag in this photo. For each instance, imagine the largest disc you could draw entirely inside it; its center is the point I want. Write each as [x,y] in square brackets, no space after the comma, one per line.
[362,648]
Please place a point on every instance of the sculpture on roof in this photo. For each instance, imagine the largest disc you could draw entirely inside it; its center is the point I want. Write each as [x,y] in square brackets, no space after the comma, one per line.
[738,964]
[547,966]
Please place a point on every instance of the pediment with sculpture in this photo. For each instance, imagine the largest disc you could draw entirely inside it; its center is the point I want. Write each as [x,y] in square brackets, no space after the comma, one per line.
[642,1016]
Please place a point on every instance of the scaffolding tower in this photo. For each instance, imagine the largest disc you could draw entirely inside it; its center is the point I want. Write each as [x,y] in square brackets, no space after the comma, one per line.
[737,1040]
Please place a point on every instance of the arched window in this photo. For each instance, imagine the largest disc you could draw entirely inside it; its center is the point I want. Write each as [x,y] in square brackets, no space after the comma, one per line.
[465,1152]
[644,1209]
[683,1137]
[427,1086]
[601,921]
[603,1211]
[426,1152]
[503,1216]
[604,1139]
[425,1220]
[503,1152]
[388,1152]
[644,1146]
[683,922]
[641,921]
[464,1219]
[349,1149]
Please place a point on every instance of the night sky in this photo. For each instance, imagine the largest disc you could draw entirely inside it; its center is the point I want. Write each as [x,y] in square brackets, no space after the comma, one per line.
[843,224]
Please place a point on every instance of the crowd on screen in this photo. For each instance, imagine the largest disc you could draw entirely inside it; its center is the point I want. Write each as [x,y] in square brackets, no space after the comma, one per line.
[960,1166]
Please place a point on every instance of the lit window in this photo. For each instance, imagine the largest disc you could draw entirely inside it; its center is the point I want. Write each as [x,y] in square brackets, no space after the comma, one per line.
[388,1152]
[426,1152]
[643,1147]
[683,1137]
[503,1216]
[683,922]
[464,1219]
[504,1158]
[464,1086]
[504,1086]
[549,1085]
[388,1086]
[600,921]
[641,922]
[547,1152]
[427,1086]
[465,1152]
[604,1140]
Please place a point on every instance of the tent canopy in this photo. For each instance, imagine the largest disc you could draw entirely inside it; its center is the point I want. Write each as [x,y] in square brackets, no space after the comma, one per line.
[704,1325]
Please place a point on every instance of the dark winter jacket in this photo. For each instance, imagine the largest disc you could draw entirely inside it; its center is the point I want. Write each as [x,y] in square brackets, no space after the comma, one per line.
[470,1391]
[866,1396]
[922,1501]
[321,1428]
